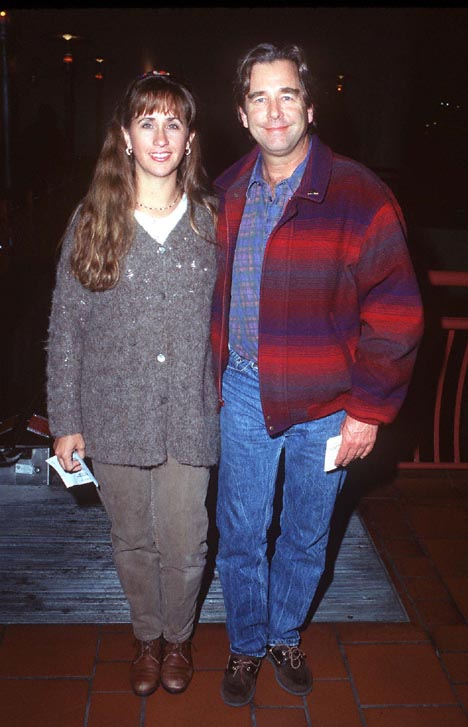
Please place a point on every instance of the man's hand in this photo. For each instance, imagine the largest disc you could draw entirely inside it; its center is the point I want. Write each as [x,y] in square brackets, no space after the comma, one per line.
[357,441]
[64,448]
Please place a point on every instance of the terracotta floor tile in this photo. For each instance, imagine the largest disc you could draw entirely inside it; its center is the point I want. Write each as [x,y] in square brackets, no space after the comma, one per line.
[462,691]
[117,646]
[112,677]
[391,674]
[433,613]
[459,476]
[199,706]
[210,646]
[415,717]
[418,485]
[380,633]
[415,567]
[462,490]
[323,654]
[388,517]
[451,638]
[403,548]
[449,556]
[457,666]
[410,610]
[52,650]
[280,717]
[449,521]
[452,498]
[43,703]
[269,693]
[112,710]
[331,704]
[426,589]
[459,590]
[422,477]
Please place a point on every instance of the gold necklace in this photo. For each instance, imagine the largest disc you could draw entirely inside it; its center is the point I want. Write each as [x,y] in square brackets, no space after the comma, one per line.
[160,209]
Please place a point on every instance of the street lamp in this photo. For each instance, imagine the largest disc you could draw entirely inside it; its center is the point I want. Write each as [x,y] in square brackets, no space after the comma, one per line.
[70,100]
[68,67]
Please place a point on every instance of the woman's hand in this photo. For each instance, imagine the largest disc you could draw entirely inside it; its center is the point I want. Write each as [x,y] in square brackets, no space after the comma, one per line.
[64,448]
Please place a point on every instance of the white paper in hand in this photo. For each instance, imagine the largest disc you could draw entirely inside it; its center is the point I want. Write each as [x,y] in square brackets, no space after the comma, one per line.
[71,479]
[333,445]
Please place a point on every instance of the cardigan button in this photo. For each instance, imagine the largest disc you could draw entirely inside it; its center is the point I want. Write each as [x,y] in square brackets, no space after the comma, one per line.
[271,428]
[160,358]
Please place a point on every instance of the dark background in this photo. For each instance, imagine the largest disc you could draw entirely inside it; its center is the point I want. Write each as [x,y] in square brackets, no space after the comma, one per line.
[402,110]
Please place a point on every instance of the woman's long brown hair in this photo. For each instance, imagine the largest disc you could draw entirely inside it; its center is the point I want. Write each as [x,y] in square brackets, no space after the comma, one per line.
[105,226]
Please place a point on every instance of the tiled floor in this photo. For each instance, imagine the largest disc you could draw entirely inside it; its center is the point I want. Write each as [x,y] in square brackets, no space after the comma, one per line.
[366,674]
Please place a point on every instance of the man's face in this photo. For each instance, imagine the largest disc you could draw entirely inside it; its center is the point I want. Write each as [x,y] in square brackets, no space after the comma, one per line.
[275,112]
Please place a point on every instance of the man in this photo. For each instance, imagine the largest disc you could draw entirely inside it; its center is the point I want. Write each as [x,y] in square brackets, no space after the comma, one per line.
[316,322]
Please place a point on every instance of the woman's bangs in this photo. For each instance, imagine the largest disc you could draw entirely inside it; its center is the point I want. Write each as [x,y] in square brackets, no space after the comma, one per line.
[162,102]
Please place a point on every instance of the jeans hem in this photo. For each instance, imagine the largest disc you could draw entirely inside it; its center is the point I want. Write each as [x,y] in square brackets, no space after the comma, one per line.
[246,653]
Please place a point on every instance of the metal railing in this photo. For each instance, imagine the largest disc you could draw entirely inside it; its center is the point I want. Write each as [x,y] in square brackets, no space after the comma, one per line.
[449,446]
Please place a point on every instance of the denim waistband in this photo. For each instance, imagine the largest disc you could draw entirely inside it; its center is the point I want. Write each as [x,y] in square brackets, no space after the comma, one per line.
[241,363]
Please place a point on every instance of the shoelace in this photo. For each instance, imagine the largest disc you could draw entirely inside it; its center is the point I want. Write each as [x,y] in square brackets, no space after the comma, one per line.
[176,650]
[294,655]
[146,647]
[242,665]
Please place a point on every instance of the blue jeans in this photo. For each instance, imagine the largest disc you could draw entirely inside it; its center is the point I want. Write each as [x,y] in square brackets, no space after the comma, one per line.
[267,603]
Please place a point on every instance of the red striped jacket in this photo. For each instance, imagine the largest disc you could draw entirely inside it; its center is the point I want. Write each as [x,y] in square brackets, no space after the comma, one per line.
[340,315]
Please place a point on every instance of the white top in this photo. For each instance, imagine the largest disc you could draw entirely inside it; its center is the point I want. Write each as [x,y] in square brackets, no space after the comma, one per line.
[160,227]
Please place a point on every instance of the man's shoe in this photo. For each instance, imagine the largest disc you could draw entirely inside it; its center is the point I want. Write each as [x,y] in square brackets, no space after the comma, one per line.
[292,672]
[177,666]
[240,678]
[146,668]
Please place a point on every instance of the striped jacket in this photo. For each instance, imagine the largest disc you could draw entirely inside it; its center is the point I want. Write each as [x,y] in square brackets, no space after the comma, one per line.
[340,314]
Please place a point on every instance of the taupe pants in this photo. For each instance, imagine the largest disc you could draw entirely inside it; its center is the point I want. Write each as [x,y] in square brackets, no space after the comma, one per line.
[159,529]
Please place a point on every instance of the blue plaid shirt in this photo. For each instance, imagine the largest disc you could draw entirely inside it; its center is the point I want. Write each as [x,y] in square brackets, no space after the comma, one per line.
[263,210]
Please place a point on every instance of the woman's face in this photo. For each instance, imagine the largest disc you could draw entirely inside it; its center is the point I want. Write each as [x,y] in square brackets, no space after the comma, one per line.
[159,141]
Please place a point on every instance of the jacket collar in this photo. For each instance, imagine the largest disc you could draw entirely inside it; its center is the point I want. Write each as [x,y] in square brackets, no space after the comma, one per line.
[314,182]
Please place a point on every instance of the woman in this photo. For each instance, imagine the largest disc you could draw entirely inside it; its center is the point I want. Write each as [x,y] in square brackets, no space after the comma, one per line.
[129,364]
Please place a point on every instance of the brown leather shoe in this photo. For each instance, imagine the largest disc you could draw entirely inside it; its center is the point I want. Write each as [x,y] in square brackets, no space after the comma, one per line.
[146,668]
[177,666]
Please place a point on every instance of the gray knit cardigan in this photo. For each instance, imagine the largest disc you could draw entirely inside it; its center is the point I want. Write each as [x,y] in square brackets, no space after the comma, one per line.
[130,368]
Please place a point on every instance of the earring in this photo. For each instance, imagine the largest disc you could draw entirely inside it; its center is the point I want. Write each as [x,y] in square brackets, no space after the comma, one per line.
[129,151]
[188,150]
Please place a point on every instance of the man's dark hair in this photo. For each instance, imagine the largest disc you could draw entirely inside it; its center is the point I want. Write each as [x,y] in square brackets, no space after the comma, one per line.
[267,53]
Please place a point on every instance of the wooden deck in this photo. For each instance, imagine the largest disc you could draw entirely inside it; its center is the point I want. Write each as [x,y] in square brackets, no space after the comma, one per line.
[56,564]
